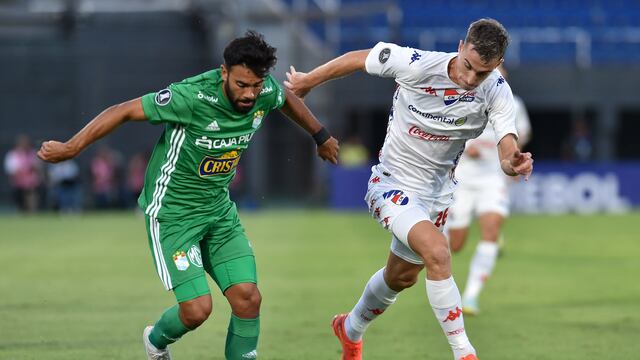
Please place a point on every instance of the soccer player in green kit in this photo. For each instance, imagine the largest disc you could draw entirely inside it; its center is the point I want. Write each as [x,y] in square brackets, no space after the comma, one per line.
[192,224]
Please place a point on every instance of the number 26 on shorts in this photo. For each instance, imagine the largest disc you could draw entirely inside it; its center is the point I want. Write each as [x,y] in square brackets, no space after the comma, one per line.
[442,218]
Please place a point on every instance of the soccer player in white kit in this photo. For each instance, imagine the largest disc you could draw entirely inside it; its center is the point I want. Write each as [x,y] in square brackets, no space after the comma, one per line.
[483,192]
[442,100]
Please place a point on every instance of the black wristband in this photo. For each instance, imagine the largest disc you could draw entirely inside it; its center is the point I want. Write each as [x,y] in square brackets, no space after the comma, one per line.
[321,136]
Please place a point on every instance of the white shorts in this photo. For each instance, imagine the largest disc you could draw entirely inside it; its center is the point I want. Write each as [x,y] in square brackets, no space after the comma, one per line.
[398,210]
[472,200]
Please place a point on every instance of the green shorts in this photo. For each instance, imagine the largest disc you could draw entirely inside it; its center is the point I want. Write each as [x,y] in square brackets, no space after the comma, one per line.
[184,249]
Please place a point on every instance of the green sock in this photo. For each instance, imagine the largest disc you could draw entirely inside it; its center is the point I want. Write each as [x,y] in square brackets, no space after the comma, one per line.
[168,329]
[242,338]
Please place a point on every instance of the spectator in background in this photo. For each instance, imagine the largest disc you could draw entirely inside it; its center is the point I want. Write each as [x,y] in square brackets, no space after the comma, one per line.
[482,193]
[353,153]
[25,177]
[135,178]
[64,185]
[579,146]
[104,178]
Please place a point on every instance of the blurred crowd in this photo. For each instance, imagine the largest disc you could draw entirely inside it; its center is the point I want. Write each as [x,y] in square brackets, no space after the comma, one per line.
[108,181]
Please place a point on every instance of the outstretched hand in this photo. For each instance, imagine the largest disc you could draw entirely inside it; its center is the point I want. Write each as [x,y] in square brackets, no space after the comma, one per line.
[55,151]
[522,163]
[329,150]
[296,82]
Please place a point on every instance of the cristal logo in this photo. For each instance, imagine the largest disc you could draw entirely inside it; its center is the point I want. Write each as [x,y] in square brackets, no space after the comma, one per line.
[221,165]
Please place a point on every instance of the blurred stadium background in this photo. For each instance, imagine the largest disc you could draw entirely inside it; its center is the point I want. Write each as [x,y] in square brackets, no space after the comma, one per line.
[573,63]
[559,293]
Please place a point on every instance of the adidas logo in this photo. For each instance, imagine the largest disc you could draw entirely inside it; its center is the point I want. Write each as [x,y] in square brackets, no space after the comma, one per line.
[213,126]
[250,355]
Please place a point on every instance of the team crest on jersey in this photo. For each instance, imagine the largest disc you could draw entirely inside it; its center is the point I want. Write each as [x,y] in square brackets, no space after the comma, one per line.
[195,256]
[163,97]
[257,118]
[450,96]
[221,165]
[180,259]
[397,197]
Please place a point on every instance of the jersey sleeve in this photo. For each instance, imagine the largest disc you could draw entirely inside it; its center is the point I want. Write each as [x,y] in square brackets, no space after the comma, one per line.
[391,60]
[173,105]
[274,93]
[501,110]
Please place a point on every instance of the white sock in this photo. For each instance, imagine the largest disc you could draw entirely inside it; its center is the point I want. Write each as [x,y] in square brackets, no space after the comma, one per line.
[482,264]
[447,306]
[375,299]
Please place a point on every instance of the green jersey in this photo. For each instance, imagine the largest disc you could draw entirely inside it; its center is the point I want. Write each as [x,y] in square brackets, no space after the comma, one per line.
[195,158]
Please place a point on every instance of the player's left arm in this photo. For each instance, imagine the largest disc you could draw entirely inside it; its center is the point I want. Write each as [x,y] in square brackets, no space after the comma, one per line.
[512,161]
[297,111]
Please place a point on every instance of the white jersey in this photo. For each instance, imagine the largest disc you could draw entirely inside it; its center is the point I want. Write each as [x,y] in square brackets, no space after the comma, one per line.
[486,167]
[432,117]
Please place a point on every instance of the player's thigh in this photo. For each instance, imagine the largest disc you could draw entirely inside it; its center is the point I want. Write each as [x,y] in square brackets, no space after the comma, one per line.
[175,249]
[227,253]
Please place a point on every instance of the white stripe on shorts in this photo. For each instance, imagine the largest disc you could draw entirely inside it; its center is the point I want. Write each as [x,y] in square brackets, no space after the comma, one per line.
[161,265]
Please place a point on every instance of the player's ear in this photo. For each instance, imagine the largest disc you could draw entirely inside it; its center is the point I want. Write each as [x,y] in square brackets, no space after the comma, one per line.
[225,73]
[460,46]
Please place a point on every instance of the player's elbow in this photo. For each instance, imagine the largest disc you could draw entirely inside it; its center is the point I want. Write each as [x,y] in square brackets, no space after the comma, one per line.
[129,110]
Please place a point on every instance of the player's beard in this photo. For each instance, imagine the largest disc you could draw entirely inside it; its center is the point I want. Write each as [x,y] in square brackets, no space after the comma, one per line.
[238,106]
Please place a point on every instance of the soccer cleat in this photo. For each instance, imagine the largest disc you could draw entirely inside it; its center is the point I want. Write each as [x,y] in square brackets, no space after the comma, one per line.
[469,357]
[470,307]
[350,350]
[153,353]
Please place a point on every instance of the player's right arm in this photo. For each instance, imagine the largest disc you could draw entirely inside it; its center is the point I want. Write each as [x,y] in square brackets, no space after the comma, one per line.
[301,83]
[384,60]
[114,116]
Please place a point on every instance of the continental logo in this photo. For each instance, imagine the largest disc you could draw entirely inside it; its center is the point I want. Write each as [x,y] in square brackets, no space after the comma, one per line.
[220,165]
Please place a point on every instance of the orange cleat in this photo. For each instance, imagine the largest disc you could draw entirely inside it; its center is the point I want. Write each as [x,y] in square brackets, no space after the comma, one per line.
[469,357]
[350,350]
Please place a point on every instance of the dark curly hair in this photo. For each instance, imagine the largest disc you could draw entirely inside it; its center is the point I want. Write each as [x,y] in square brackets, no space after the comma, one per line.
[489,37]
[252,51]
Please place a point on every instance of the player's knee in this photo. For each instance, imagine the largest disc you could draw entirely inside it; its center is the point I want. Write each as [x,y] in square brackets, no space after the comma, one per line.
[195,312]
[403,281]
[438,258]
[245,301]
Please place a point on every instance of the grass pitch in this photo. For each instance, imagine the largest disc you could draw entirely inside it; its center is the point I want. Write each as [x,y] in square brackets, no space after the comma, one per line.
[84,288]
